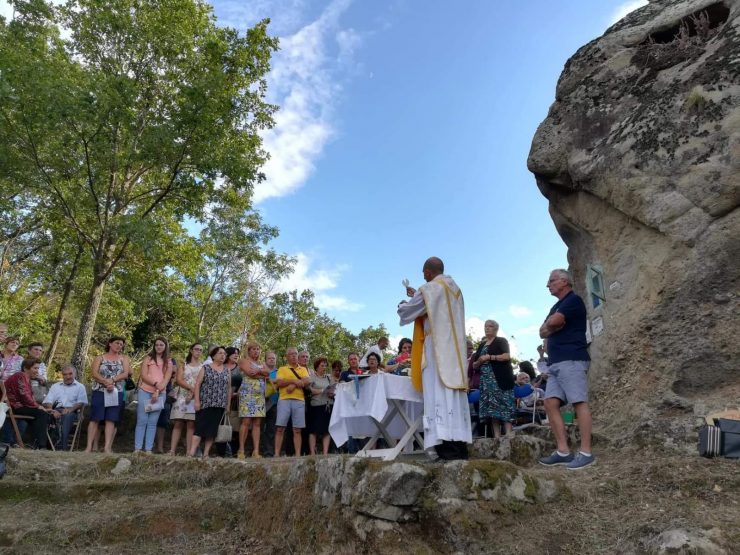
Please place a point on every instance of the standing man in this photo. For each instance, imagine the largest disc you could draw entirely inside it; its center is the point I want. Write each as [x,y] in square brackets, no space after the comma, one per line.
[65,399]
[303,358]
[439,361]
[568,362]
[36,350]
[267,439]
[378,349]
[291,379]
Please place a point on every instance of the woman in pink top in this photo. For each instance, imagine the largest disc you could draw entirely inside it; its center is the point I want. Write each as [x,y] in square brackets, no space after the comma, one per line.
[156,371]
[11,359]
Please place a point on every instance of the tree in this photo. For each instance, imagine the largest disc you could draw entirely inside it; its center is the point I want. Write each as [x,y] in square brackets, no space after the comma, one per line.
[369,336]
[238,272]
[146,114]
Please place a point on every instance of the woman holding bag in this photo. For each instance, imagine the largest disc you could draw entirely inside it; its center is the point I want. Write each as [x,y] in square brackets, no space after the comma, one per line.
[156,372]
[183,409]
[212,395]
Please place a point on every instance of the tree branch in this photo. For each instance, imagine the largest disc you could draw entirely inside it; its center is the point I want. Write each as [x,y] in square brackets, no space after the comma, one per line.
[65,205]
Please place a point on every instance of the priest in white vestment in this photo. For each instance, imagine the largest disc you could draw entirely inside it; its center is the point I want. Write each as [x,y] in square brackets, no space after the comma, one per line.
[439,360]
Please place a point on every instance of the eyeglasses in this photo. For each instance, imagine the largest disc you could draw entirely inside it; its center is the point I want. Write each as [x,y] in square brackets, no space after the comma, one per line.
[197,348]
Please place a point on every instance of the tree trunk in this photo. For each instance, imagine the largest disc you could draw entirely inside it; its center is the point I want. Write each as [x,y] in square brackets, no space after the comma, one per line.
[87,324]
[59,324]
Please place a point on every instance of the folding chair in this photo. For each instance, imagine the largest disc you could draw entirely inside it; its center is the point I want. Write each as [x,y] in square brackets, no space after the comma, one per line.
[15,417]
[523,410]
[77,425]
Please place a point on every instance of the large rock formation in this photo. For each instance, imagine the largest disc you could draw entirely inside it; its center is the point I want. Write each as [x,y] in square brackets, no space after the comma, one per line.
[639,157]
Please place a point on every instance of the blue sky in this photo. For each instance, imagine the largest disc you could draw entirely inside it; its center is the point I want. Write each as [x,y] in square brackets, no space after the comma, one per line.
[403,133]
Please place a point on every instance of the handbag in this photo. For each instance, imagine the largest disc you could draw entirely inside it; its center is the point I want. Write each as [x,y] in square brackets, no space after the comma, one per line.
[710,441]
[730,431]
[129,384]
[225,430]
[306,390]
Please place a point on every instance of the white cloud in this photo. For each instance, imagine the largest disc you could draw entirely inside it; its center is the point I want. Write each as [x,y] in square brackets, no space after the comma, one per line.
[285,15]
[305,83]
[319,282]
[474,327]
[348,41]
[624,9]
[534,329]
[394,340]
[519,311]
[337,303]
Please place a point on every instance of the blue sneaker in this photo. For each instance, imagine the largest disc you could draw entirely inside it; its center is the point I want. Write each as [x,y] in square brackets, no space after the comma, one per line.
[581,461]
[556,459]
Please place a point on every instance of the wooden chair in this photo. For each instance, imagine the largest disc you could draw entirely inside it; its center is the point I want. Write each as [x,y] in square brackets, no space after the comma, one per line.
[15,417]
[77,425]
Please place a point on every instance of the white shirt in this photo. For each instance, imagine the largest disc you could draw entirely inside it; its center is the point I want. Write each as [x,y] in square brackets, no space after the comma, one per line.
[373,349]
[65,395]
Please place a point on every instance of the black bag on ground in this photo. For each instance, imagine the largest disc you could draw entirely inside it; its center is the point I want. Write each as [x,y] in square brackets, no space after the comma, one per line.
[730,430]
[710,441]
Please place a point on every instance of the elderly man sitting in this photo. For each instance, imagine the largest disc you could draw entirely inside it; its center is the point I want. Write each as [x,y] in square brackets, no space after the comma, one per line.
[65,399]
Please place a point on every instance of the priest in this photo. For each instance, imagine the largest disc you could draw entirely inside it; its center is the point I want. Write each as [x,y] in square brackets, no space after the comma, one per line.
[439,360]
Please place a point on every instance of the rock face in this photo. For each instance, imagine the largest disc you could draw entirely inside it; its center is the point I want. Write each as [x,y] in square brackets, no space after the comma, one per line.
[639,157]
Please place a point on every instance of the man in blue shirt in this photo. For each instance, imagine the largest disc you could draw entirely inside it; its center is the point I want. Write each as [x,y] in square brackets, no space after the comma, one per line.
[567,350]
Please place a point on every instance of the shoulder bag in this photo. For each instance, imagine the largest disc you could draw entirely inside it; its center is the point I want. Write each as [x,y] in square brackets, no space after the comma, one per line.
[306,390]
[225,431]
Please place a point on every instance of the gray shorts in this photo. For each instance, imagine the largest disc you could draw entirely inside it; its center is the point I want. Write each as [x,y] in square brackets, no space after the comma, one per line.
[568,381]
[293,410]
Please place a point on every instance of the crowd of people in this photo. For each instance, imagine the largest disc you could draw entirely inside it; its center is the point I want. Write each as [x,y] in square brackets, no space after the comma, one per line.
[191,398]
[198,396]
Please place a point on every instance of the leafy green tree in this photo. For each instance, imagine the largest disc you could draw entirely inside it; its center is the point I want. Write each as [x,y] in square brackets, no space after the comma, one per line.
[146,114]
[237,274]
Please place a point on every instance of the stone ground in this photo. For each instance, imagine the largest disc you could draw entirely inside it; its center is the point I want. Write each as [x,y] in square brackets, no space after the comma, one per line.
[634,500]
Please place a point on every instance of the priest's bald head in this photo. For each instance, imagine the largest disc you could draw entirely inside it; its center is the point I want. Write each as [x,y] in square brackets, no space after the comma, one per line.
[433,267]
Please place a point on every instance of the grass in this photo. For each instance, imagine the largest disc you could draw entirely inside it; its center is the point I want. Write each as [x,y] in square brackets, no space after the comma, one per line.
[186,506]
[696,100]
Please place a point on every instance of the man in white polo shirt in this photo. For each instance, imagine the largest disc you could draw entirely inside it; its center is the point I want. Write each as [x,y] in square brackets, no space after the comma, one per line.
[66,398]
[378,349]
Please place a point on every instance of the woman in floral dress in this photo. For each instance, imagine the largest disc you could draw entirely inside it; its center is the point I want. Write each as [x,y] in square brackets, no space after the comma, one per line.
[251,398]
[212,394]
[496,380]
[183,409]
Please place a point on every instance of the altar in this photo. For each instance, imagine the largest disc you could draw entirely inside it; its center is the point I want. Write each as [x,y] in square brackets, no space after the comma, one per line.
[380,405]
